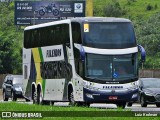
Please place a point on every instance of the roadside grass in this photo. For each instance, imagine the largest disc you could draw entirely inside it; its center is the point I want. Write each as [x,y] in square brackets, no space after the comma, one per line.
[135,10]
[13,106]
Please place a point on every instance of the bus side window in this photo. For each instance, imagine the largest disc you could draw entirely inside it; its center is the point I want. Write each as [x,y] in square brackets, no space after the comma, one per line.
[67,35]
[27,39]
[76,33]
[32,38]
[76,36]
[57,38]
[47,36]
[64,33]
[80,68]
[51,37]
[35,38]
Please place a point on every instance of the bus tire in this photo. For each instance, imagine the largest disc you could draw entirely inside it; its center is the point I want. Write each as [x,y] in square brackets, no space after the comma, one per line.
[34,96]
[39,97]
[71,98]
[129,104]
[45,102]
[85,104]
[52,103]
[121,105]
[27,100]
[158,104]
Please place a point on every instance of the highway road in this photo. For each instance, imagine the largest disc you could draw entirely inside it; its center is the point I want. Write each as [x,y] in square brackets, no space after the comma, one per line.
[135,107]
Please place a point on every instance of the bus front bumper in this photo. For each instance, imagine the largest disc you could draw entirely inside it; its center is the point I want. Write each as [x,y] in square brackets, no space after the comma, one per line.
[109,97]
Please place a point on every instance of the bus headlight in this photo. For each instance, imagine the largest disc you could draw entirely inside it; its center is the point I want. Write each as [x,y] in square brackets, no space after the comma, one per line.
[135,95]
[89,96]
[133,88]
[90,87]
[93,88]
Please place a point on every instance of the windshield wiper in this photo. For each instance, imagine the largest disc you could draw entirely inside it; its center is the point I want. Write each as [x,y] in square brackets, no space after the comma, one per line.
[99,78]
[92,78]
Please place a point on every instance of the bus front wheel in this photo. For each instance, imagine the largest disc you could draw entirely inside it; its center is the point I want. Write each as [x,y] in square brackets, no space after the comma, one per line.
[71,98]
[121,105]
[129,104]
[85,104]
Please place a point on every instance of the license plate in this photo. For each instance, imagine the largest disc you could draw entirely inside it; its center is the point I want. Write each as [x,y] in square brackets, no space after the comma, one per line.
[113,97]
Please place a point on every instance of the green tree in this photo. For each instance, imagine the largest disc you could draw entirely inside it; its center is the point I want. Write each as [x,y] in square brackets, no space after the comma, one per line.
[114,9]
[10,41]
[148,35]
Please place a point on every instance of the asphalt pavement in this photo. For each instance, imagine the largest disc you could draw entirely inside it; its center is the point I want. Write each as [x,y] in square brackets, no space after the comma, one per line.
[135,107]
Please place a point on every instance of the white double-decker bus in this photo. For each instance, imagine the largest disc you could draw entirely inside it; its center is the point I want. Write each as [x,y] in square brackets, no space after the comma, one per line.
[81,60]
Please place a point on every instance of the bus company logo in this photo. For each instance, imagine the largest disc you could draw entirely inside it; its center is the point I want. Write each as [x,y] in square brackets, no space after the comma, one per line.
[53,53]
[78,7]
[6,115]
[112,87]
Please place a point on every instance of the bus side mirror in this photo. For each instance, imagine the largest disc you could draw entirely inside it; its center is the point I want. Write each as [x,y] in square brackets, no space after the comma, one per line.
[140,87]
[143,53]
[82,54]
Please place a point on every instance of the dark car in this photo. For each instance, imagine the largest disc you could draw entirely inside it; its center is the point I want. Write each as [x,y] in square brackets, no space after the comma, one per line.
[12,87]
[149,91]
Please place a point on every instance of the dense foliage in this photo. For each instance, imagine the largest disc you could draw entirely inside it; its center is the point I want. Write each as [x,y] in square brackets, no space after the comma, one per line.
[144,14]
[10,41]
[148,35]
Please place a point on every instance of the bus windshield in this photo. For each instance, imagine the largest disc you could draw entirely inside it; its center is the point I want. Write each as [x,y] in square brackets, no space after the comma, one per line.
[109,35]
[110,68]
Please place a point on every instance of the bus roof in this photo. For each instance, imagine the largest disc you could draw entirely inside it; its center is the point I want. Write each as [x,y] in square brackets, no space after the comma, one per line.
[80,20]
[47,24]
[100,19]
